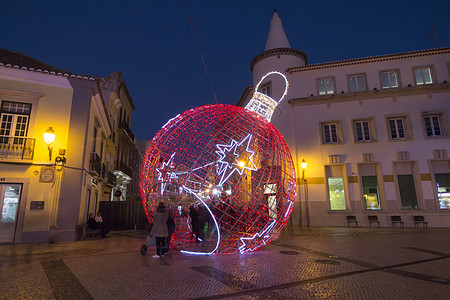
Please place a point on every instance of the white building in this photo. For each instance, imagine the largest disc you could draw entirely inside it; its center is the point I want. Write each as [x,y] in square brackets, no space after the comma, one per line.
[374,132]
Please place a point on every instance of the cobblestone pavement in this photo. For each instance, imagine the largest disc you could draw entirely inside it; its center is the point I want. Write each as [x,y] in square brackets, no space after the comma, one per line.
[316,263]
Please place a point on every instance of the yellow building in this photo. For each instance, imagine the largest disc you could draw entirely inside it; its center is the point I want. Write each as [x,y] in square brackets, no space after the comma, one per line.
[48,190]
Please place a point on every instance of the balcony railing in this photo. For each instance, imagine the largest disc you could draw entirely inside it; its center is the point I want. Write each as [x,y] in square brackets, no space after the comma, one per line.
[95,164]
[126,169]
[103,175]
[111,178]
[17,147]
[123,125]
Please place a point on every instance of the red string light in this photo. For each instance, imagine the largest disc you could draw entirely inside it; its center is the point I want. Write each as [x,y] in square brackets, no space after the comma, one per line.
[231,163]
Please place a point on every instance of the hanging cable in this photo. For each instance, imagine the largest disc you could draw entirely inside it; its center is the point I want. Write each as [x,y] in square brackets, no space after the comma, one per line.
[200,51]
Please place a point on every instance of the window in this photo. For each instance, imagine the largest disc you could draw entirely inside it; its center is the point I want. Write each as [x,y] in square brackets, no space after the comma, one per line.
[432,125]
[336,193]
[389,79]
[330,133]
[423,76]
[14,122]
[335,175]
[88,204]
[407,191]
[371,193]
[443,189]
[364,130]
[270,195]
[405,175]
[94,138]
[357,83]
[326,86]
[441,170]
[397,128]
[266,90]
[9,202]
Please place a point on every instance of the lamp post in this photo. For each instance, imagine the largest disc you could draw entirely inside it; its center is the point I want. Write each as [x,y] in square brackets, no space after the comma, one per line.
[305,188]
[49,137]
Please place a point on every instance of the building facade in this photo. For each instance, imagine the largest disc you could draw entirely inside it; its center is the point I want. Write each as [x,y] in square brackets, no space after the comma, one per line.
[48,190]
[374,132]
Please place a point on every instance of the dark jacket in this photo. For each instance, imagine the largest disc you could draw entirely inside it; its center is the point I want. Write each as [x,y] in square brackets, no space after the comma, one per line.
[170,225]
[92,224]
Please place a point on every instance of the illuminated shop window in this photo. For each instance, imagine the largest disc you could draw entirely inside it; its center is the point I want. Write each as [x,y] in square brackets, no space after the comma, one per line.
[389,79]
[326,86]
[423,76]
[336,193]
[9,201]
[357,83]
[371,192]
[443,189]
[407,191]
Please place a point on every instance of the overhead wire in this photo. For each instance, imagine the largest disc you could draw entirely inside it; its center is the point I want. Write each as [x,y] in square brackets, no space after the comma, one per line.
[200,51]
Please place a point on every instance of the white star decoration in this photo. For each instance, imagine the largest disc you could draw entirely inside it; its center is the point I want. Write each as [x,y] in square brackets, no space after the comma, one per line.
[164,171]
[232,158]
[260,238]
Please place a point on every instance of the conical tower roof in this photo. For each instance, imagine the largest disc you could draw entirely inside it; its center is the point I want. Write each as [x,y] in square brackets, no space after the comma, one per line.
[278,45]
[277,37]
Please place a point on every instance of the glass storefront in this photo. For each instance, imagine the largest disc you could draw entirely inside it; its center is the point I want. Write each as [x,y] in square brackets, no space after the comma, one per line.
[10,198]
[407,190]
[443,189]
[371,192]
[336,193]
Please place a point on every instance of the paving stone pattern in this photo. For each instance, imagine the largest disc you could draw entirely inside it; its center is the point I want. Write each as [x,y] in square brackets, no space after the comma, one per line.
[304,263]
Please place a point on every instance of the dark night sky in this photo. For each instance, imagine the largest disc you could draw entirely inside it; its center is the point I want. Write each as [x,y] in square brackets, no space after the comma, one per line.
[152,44]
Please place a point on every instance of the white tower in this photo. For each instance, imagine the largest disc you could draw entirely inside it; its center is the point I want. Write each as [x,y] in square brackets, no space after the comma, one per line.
[278,54]
[269,80]
[270,86]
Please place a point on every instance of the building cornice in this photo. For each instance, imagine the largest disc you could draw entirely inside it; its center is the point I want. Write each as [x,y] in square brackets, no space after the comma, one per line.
[370,95]
[370,59]
[83,77]
[276,52]
[19,95]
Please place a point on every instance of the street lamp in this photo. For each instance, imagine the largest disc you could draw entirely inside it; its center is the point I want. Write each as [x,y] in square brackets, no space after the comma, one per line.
[303,164]
[49,137]
[305,187]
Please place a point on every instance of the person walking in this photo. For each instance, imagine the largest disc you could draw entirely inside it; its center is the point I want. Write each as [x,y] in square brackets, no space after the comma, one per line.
[159,230]
[171,229]
[193,214]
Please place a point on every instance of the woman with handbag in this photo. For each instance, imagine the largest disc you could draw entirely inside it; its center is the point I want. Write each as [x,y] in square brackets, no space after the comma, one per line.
[159,230]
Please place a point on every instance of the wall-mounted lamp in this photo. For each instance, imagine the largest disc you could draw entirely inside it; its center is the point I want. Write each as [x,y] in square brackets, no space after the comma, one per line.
[303,164]
[49,137]
[305,186]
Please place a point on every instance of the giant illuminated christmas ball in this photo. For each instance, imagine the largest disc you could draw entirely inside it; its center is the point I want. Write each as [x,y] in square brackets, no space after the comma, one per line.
[232,167]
